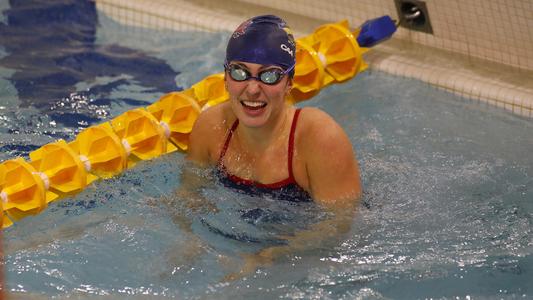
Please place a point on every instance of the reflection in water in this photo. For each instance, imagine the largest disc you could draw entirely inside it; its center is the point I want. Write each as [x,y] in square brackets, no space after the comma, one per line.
[51,49]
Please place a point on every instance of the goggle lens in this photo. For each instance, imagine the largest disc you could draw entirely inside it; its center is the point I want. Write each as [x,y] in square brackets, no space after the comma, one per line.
[238,74]
[270,76]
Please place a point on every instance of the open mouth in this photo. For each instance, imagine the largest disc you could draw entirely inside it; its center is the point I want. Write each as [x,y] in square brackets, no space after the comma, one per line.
[253,105]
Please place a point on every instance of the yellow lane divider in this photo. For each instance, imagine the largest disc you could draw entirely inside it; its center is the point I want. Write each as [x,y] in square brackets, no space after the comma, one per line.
[329,55]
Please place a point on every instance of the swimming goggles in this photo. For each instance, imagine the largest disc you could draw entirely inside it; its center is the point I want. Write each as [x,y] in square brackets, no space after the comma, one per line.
[268,76]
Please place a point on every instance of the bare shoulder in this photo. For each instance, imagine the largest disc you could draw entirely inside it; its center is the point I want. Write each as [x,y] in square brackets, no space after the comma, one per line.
[330,161]
[207,133]
[319,129]
[210,118]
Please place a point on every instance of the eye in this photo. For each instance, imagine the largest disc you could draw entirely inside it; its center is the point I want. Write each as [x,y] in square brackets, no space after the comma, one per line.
[270,76]
[238,73]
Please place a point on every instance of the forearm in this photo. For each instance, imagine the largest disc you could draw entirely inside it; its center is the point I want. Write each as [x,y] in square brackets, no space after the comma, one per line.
[323,234]
[188,198]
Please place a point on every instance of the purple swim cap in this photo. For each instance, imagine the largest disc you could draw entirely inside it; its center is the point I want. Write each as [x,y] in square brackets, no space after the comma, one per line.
[265,40]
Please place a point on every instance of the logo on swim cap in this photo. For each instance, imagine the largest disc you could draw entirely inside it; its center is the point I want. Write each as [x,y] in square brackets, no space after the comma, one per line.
[287,49]
[241,29]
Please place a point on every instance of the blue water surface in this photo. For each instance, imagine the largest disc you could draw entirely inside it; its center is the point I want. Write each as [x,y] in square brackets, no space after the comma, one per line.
[446,212]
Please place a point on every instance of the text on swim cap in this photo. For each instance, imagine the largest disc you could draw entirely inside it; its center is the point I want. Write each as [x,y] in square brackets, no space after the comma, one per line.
[287,49]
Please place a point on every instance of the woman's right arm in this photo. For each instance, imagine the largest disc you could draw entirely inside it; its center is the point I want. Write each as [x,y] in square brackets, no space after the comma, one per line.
[199,139]
[207,135]
[204,141]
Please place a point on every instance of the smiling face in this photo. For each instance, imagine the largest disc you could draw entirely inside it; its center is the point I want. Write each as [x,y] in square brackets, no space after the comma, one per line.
[255,103]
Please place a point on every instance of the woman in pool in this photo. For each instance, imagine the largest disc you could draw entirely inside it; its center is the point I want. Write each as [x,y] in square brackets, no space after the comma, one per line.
[260,144]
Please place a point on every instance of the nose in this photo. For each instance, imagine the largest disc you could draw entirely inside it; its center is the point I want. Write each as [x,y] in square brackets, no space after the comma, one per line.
[253,87]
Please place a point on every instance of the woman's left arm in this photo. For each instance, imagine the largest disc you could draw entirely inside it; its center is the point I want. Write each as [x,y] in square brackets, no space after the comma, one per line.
[331,164]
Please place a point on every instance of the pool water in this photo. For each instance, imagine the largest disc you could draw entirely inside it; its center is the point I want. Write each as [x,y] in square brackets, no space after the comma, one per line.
[447,208]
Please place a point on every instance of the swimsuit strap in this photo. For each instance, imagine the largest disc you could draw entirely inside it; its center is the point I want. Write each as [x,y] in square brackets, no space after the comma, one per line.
[291,143]
[290,150]
[226,143]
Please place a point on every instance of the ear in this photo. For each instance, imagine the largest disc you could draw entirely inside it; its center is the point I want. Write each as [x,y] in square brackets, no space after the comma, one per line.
[225,81]
[288,88]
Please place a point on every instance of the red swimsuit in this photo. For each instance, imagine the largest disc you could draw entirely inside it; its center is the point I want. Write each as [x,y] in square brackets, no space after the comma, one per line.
[286,189]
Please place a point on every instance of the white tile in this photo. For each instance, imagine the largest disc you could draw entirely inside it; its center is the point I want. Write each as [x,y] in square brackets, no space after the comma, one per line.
[434,76]
[525,112]
[491,92]
[424,74]
[475,89]
[459,83]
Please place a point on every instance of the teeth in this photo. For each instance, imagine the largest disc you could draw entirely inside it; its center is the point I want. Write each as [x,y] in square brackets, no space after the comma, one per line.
[254,104]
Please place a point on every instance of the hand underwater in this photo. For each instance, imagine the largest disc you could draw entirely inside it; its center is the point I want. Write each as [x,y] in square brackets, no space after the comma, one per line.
[252,262]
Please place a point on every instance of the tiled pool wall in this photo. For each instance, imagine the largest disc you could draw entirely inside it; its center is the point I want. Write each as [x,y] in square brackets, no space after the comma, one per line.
[482,50]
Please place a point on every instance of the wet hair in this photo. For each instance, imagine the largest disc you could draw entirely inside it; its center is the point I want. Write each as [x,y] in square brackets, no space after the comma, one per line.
[265,40]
